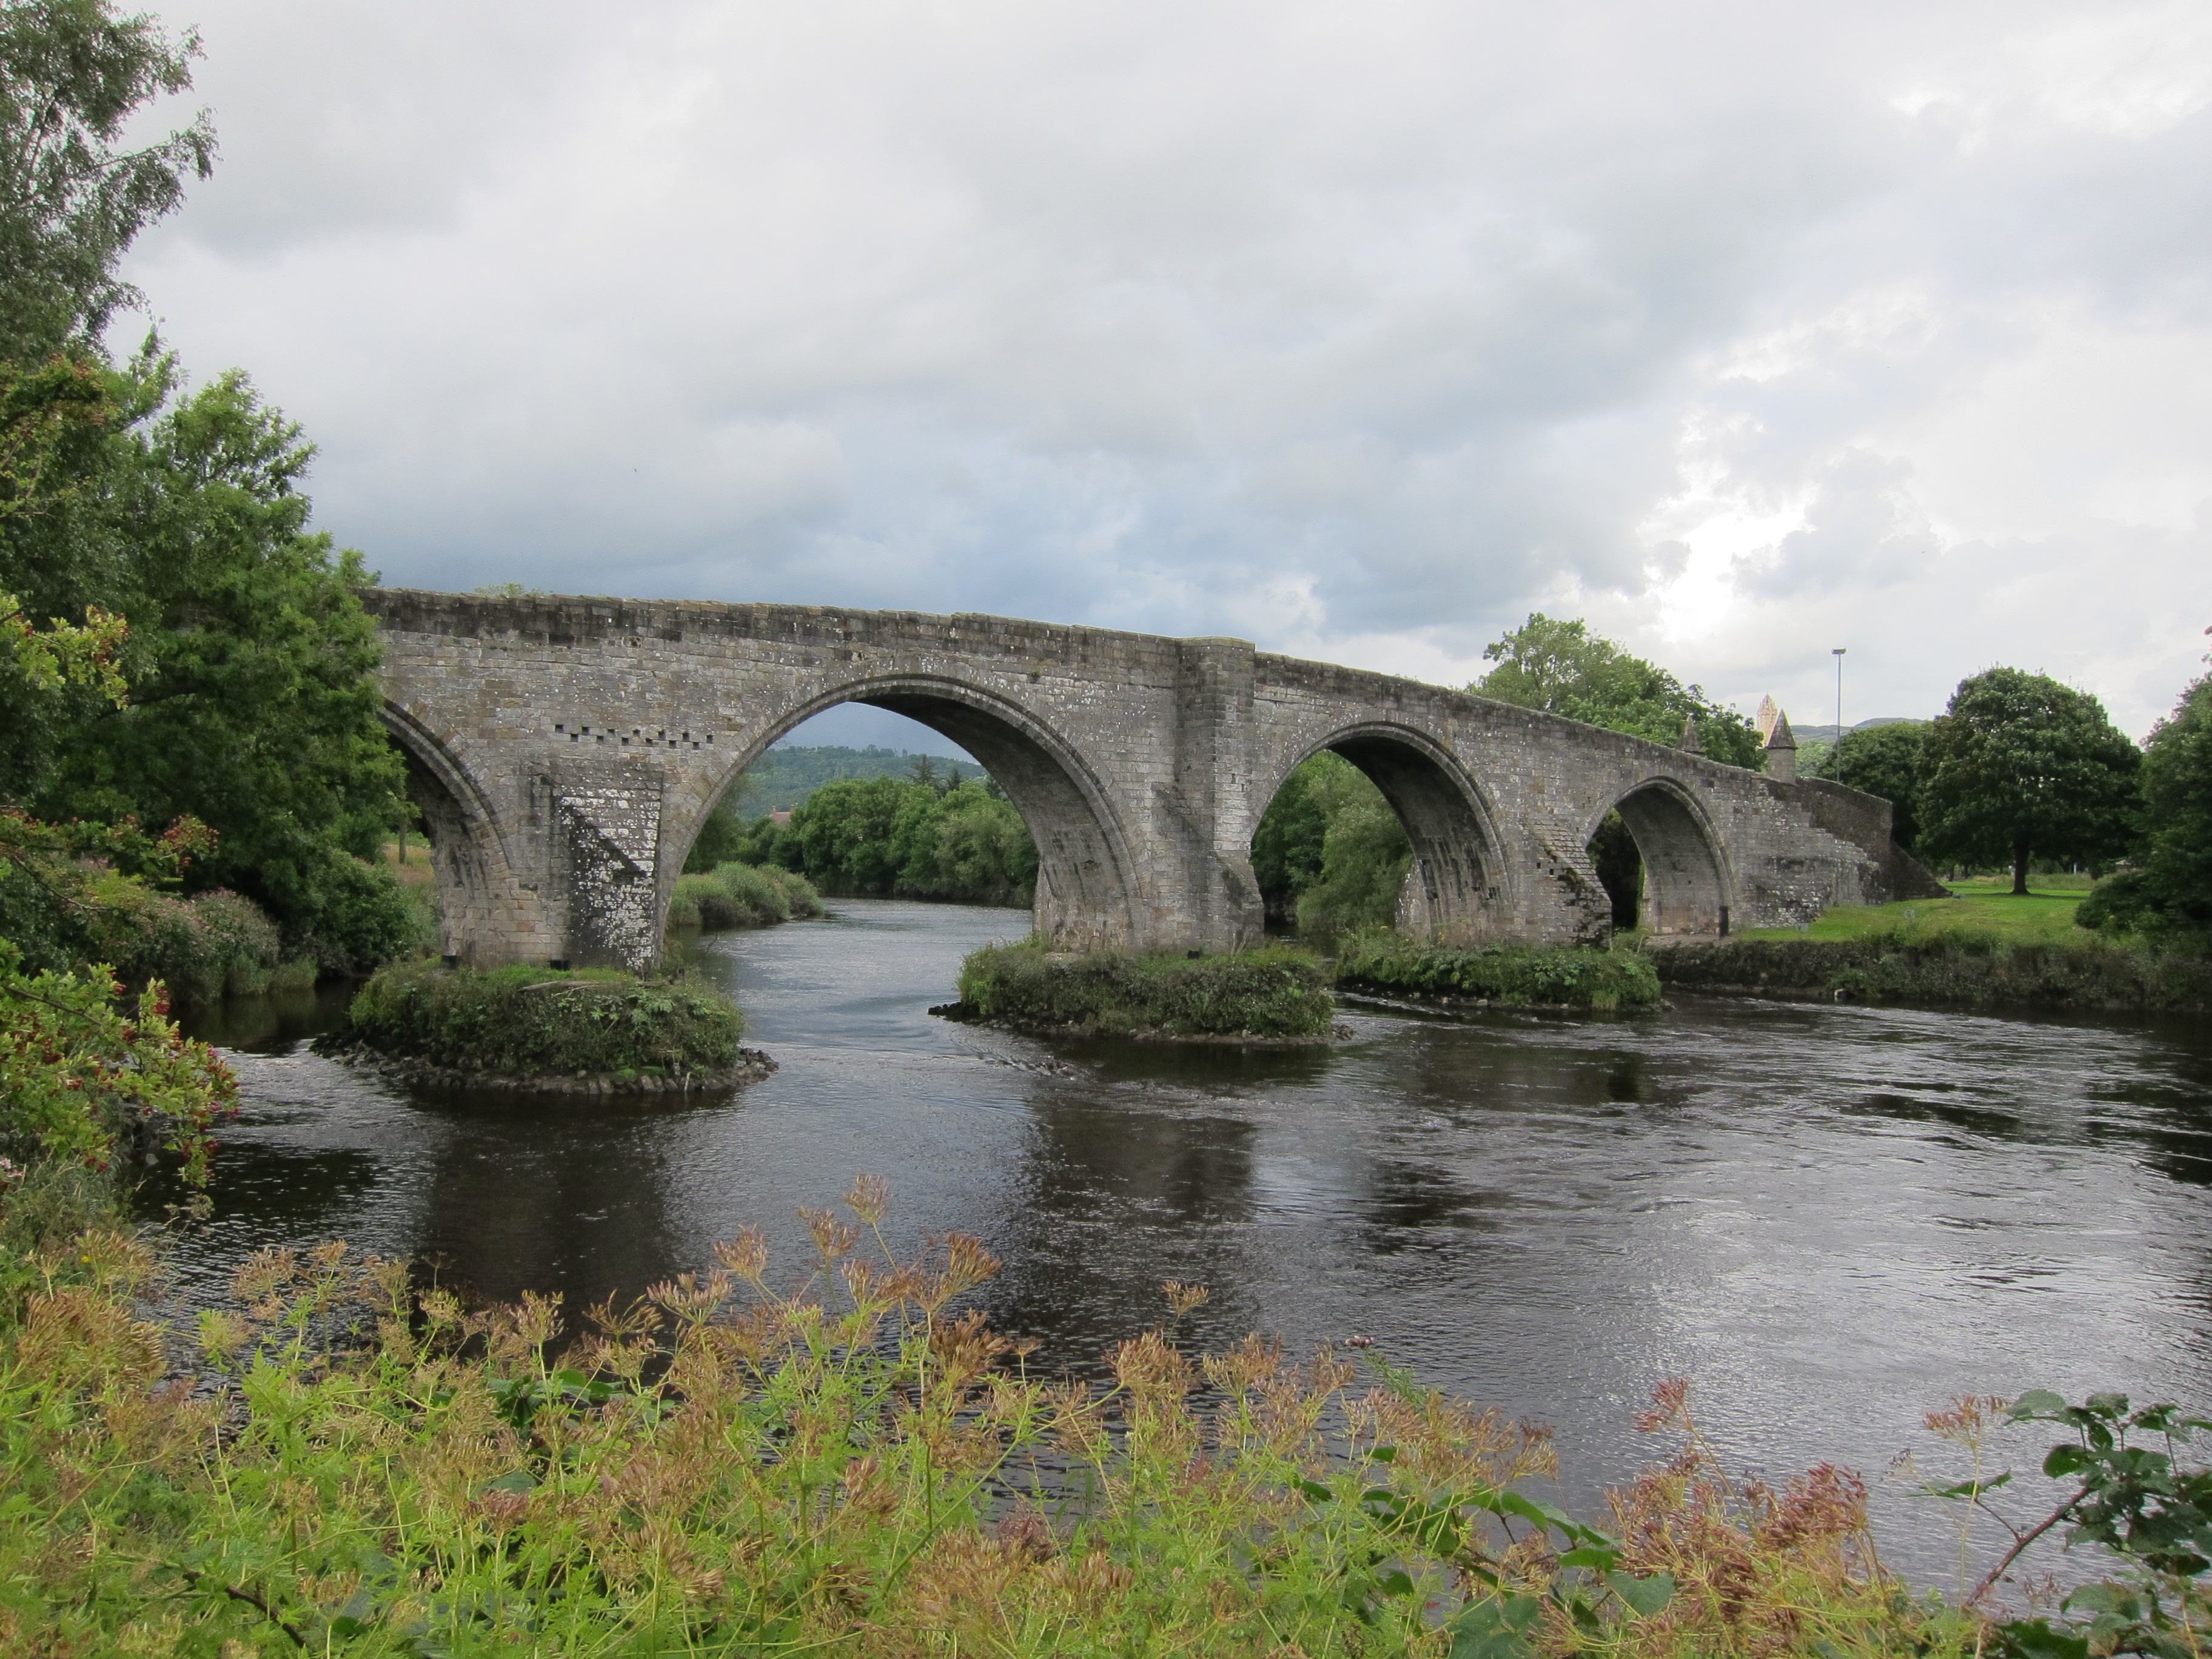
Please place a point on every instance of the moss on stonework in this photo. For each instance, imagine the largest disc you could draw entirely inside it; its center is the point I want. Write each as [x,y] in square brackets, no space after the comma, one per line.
[1274,994]
[529,1022]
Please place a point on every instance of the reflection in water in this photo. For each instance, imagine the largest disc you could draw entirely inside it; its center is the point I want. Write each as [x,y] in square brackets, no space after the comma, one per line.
[1834,1218]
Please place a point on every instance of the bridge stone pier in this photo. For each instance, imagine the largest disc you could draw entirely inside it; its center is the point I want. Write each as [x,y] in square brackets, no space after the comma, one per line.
[565,753]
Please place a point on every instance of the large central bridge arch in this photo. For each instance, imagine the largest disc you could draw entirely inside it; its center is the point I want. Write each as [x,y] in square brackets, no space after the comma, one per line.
[1086,890]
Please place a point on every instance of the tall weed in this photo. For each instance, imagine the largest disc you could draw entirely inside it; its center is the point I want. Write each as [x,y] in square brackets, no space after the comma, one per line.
[840,1459]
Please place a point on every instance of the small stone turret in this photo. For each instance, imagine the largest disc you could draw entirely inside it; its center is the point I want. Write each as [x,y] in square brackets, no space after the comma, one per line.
[1782,751]
[1689,744]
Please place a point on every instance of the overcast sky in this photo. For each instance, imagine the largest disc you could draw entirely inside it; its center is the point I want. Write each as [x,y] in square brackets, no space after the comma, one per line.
[1357,331]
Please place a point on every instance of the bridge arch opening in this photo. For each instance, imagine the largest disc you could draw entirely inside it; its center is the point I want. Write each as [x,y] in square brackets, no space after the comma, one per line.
[1661,863]
[1085,894]
[457,823]
[1379,825]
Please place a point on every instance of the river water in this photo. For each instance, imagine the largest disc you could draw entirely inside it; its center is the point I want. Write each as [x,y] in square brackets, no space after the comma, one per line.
[1832,1219]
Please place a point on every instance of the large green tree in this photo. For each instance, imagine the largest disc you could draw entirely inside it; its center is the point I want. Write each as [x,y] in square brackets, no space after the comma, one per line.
[73,73]
[2021,766]
[253,705]
[1884,761]
[1563,668]
[2171,886]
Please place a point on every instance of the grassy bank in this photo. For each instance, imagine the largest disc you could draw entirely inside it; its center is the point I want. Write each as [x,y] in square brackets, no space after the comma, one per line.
[1378,959]
[524,1022]
[741,896]
[1274,993]
[1983,947]
[855,1468]
[1985,911]
[1953,966]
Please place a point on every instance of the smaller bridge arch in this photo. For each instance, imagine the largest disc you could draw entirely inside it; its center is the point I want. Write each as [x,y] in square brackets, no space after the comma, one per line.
[1458,884]
[1686,865]
[470,853]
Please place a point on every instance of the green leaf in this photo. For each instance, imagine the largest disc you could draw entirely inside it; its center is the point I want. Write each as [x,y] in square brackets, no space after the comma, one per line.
[1595,1556]
[1644,1596]
[1966,1488]
[1495,1628]
[2033,1638]
[2066,1460]
[1316,1491]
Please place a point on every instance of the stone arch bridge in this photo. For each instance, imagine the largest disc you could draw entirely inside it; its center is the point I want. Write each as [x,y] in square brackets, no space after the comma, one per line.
[565,753]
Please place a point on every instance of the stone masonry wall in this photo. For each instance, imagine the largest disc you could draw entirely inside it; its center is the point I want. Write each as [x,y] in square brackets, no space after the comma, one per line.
[577,745]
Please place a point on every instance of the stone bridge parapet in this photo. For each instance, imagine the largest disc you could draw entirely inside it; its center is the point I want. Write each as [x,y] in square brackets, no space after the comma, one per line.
[565,753]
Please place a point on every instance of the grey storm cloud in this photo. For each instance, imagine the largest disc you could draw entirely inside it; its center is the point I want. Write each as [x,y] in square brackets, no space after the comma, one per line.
[1744,330]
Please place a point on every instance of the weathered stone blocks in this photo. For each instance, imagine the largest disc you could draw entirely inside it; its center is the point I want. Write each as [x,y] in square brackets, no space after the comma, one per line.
[566,752]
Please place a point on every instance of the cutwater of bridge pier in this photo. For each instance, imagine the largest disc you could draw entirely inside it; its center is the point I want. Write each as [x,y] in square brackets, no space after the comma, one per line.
[565,753]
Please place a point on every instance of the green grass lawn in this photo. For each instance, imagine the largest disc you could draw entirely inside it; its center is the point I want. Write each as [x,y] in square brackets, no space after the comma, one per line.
[1983,908]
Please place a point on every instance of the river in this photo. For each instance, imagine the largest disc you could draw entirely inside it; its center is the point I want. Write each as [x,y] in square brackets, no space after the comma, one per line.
[1832,1219]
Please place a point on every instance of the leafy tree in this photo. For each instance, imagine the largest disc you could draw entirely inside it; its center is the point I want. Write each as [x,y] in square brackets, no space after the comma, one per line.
[255,708]
[888,836]
[82,1082]
[1286,848]
[72,74]
[1563,668]
[1619,864]
[1364,853]
[2171,886]
[720,839]
[1884,761]
[2021,766]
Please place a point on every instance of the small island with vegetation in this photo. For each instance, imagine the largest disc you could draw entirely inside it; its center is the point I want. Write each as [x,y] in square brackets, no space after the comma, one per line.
[590,1031]
[1277,995]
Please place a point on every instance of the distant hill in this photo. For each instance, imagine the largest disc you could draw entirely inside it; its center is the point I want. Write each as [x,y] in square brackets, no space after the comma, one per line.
[1827,733]
[782,778]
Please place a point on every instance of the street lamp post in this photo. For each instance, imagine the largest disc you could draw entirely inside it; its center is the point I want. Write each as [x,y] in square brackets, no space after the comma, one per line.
[1837,651]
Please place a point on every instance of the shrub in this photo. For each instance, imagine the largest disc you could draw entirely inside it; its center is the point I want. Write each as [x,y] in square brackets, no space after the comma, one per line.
[1575,977]
[529,1022]
[1273,993]
[205,947]
[361,918]
[2170,891]
[854,1465]
[83,1082]
[741,896]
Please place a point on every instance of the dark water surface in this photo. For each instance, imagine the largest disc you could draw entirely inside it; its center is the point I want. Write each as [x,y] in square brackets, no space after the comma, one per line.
[1832,1218]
